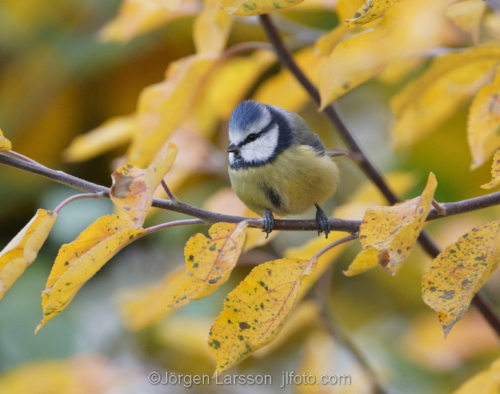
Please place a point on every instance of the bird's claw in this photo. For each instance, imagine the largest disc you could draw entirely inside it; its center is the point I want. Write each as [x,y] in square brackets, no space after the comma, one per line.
[268,222]
[322,219]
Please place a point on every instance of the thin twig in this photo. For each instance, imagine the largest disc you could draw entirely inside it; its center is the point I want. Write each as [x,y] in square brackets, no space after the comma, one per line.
[78,197]
[347,238]
[364,161]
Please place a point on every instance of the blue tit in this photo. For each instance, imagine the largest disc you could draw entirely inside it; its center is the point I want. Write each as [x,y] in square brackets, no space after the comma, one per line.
[277,164]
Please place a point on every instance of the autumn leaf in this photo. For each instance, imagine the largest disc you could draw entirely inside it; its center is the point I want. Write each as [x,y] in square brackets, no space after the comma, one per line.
[458,273]
[357,59]
[23,249]
[370,11]
[211,28]
[255,311]
[136,17]
[163,106]
[393,231]
[495,172]
[484,123]
[5,144]
[78,261]
[364,261]
[113,133]
[432,98]
[256,7]
[145,306]
[487,382]
[209,261]
[133,188]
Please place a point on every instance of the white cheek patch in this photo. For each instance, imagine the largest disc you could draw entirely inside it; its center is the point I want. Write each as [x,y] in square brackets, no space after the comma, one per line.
[262,148]
[238,136]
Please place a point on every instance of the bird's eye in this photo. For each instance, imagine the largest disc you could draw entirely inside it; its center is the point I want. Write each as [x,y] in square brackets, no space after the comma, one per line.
[252,137]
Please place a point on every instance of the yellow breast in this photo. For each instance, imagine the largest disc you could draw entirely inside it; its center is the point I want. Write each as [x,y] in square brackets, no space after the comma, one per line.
[296,180]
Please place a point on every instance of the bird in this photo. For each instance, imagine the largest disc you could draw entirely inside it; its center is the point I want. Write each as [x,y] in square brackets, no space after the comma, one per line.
[278,165]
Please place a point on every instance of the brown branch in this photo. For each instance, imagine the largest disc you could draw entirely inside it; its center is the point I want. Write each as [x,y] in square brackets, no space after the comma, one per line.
[366,164]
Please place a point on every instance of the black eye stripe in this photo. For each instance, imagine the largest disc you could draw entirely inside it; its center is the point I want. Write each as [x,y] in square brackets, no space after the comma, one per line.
[254,136]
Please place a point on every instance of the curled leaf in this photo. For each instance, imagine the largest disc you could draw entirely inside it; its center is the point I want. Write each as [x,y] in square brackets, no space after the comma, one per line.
[255,311]
[78,261]
[133,188]
[23,249]
[393,231]
[458,273]
[209,261]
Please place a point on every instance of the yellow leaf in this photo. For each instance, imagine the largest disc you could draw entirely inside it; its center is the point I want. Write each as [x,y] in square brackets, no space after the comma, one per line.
[393,231]
[133,188]
[409,28]
[211,28]
[327,42]
[89,373]
[112,134]
[78,261]
[283,90]
[145,306]
[23,249]
[255,311]
[209,262]
[458,273]
[370,11]
[495,172]
[163,106]
[430,99]
[256,7]
[468,15]
[485,382]
[5,144]
[484,123]
[136,17]
[230,82]
[347,8]
[364,261]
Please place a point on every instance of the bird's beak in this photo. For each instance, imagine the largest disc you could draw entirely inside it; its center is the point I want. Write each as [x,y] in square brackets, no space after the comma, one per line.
[232,148]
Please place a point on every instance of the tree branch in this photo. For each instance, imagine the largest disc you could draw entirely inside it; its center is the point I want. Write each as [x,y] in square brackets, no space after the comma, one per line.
[369,168]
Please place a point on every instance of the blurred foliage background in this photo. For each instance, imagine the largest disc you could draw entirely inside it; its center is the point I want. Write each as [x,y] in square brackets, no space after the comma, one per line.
[58,80]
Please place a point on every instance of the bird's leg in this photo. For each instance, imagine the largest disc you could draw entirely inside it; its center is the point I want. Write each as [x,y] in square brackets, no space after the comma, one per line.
[322,219]
[268,222]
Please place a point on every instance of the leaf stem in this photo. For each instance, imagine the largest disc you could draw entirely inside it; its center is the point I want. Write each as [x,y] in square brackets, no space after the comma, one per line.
[170,195]
[163,226]
[78,197]
[347,238]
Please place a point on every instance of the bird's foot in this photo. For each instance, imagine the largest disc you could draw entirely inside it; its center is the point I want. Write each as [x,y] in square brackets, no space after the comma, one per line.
[268,222]
[322,219]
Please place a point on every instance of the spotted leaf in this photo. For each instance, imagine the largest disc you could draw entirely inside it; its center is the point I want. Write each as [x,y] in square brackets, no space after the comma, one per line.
[458,273]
